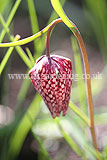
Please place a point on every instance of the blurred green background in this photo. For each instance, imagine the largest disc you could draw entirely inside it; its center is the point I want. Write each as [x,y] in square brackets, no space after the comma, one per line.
[27,130]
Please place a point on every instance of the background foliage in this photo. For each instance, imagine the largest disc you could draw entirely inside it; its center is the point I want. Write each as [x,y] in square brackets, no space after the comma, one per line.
[26,127]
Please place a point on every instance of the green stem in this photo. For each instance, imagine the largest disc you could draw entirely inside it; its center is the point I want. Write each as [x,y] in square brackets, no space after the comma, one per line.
[43,150]
[34,23]
[69,139]
[33,16]
[11,15]
[22,93]
[19,49]
[26,40]
[7,55]
[30,56]
[23,128]
[79,113]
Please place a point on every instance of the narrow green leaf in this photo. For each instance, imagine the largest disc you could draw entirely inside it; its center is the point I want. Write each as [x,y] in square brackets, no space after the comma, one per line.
[26,40]
[42,148]
[69,139]
[23,91]
[96,13]
[11,15]
[104,153]
[23,128]
[30,56]
[5,59]
[23,56]
[54,15]
[34,24]
[7,55]
[18,49]
[3,4]
[58,8]
[33,16]
[79,113]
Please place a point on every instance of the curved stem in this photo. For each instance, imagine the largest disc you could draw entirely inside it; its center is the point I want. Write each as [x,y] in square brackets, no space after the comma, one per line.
[88,82]
[87,72]
[28,39]
[48,34]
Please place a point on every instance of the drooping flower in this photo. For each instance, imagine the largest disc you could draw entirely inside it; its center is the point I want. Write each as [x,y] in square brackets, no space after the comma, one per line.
[52,78]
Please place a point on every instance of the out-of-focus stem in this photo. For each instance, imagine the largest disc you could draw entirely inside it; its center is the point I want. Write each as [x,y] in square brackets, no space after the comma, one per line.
[7,55]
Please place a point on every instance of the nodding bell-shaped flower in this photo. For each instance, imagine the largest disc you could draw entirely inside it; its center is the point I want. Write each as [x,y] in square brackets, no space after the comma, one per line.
[52,78]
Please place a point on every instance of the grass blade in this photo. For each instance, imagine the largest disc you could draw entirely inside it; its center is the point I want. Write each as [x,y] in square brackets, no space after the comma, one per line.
[11,15]
[23,128]
[58,8]
[7,55]
[43,150]
[18,49]
[79,113]
[34,24]
[69,139]
[30,56]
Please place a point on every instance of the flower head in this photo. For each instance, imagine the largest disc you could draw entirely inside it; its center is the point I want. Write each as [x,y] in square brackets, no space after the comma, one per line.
[52,78]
